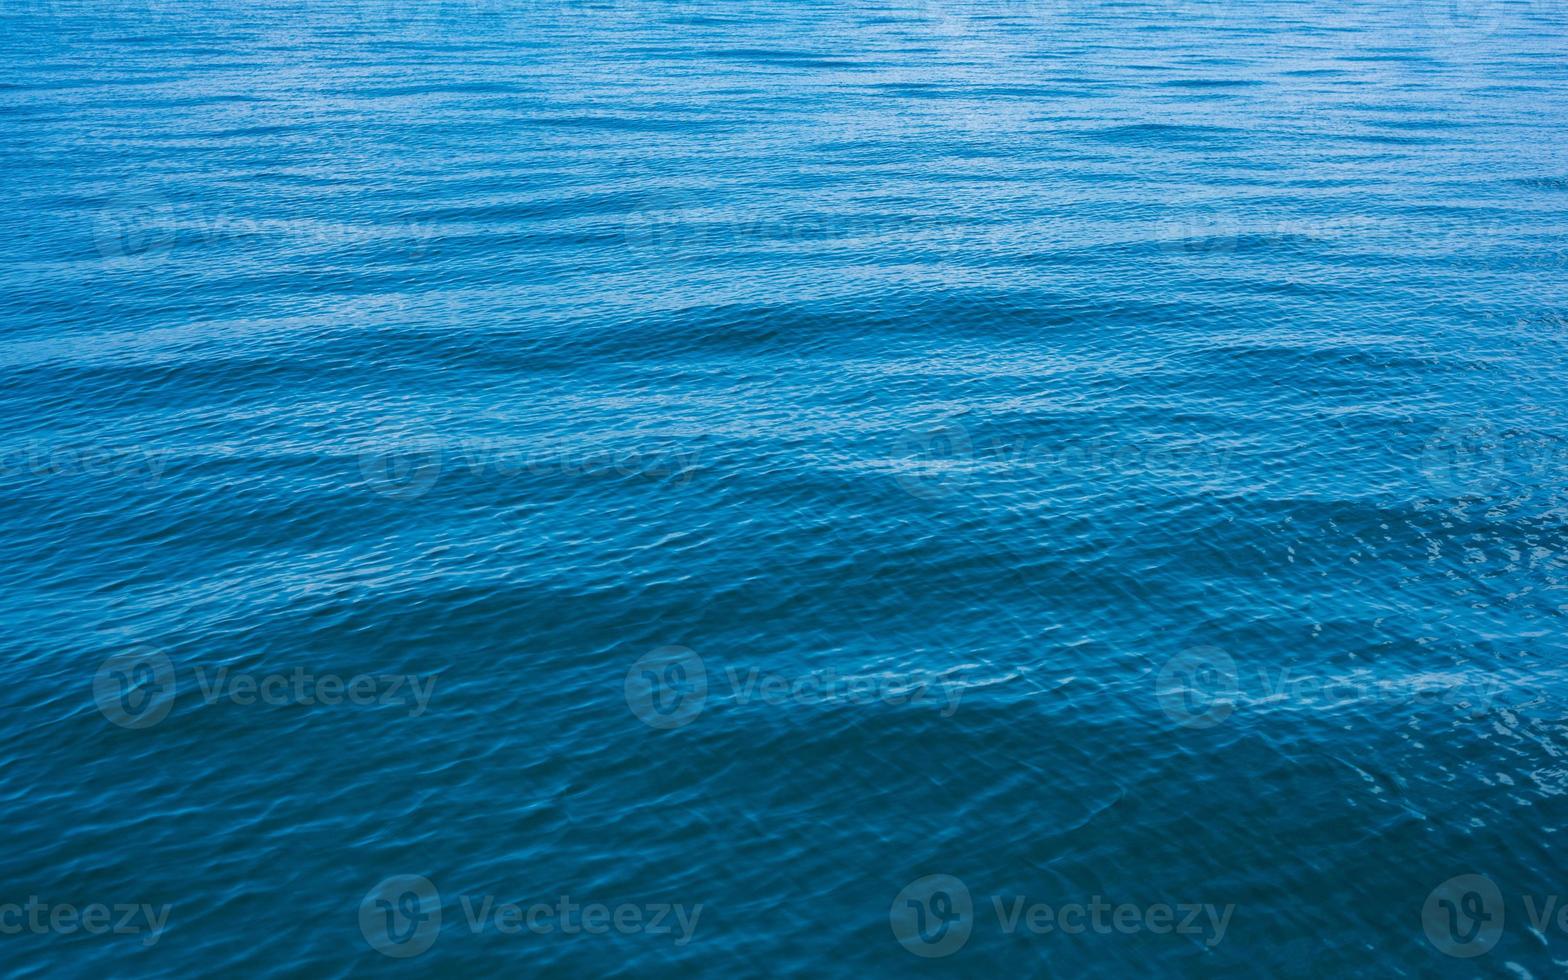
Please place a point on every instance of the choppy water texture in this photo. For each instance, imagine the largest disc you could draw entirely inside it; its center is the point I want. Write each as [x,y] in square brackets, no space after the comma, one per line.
[1085,451]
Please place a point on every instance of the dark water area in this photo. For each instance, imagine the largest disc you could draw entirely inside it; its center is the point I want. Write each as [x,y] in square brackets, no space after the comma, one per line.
[729,489]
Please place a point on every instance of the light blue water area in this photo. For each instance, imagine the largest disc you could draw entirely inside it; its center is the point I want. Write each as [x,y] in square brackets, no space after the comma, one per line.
[850,475]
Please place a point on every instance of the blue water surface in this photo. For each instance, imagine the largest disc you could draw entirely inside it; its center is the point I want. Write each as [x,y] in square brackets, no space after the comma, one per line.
[698,488]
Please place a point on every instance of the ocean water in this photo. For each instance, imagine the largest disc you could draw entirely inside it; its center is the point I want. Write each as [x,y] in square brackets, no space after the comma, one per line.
[679,487]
